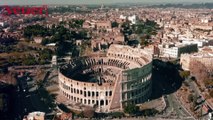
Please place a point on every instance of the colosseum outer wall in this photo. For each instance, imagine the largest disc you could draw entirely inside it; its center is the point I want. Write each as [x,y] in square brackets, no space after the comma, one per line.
[86,93]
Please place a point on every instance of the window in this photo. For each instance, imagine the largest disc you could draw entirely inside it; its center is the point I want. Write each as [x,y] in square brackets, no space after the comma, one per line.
[71,90]
[106,102]
[102,102]
[133,94]
[135,102]
[85,95]
[110,93]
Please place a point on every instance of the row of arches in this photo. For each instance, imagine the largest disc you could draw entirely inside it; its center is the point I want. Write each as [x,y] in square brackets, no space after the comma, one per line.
[86,101]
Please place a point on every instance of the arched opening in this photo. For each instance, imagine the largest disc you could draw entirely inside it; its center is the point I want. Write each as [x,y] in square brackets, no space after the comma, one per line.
[102,102]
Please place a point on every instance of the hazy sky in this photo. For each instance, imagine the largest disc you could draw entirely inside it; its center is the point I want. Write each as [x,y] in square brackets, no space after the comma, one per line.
[28,2]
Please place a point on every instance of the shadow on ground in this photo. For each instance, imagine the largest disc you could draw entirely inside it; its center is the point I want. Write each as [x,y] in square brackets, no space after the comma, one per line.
[166,78]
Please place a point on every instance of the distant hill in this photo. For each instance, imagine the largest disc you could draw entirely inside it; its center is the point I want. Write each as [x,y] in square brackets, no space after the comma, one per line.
[194,6]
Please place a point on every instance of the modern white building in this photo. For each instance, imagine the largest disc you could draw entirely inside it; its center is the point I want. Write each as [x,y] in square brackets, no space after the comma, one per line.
[133,19]
[122,17]
[54,60]
[206,20]
[200,42]
[2,24]
[174,50]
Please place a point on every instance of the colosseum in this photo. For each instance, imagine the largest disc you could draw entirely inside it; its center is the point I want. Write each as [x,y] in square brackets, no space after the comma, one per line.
[110,81]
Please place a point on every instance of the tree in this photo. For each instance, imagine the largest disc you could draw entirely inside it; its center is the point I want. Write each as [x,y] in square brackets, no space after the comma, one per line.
[104,46]
[184,74]
[190,98]
[81,35]
[95,49]
[117,114]
[45,41]
[114,24]
[29,61]
[133,42]
[131,109]
[35,30]
[75,23]
[46,54]
[143,41]
[194,102]
[149,112]
[193,78]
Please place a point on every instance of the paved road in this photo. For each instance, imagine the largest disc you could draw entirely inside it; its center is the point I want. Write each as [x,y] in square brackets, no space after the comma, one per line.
[178,108]
[174,107]
[195,88]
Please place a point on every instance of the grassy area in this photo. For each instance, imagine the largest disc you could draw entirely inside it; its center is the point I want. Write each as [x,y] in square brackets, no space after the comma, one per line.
[28,54]
[16,54]
[32,44]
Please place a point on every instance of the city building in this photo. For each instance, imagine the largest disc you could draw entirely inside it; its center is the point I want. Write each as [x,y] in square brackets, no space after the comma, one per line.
[38,39]
[2,24]
[89,24]
[204,56]
[174,50]
[200,42]
[110,81]
[35,116]
[133,19]
[54,60]
[107,39]
[105,25]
